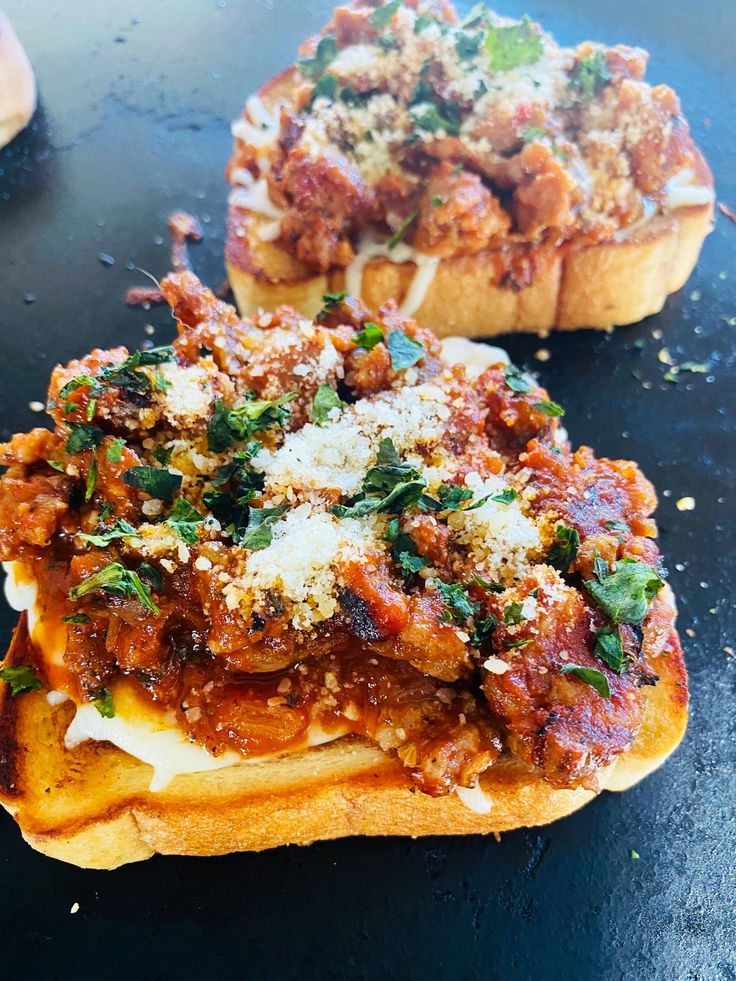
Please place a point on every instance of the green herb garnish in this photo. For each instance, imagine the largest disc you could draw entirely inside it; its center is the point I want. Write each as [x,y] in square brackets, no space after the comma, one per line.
[325,400]
[91,481]
[228,426]
[509,47]
[609,648]
[507,496]
[116,580]
[83,437]
[326,52]
[549,408]
[114,451]
[516,380]
[452,497]
[21,680]
[257,534]
[589,76]
[103,537]
[184,520]
[331,301]
[382,16]
[104,704]
[625,594]
[565,549]
[403,229]
[591,676]
[161,484]
[459,607]
[513,614]
[369,336]
[404,350]
[77,618]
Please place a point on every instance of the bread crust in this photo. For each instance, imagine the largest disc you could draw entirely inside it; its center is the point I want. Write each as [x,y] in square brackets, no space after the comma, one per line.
[600,286]
[17,84]
[91,806]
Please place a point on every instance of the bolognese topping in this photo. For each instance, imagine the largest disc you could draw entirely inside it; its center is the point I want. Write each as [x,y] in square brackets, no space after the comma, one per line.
[404,127]
[283,530]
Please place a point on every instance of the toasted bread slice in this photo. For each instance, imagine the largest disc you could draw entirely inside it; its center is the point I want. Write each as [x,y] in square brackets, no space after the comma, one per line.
[91,806]
[602,286]
[17,84]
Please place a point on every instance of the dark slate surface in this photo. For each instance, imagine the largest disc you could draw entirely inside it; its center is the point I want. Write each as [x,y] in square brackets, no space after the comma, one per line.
[135,103]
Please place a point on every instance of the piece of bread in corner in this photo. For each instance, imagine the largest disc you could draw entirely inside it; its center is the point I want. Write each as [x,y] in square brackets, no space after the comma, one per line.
[91,806]
[17,84]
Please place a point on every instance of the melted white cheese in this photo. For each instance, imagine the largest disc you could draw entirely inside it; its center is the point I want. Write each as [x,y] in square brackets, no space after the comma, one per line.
[166,749]
[475,799]
[476,357]
[426,271]
[254,195]
[681,191]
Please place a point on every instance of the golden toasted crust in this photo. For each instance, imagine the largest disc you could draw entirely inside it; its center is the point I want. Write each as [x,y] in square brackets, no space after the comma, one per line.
[17,84]
[601,286]
[91,806]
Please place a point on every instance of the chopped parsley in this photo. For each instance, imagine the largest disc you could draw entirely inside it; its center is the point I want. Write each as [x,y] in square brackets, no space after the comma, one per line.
[600,566]
[513,614]
[591,676]
[616,525]
[492,587]
[483,630]
[91,481]
[326,52]
[104,704]
[382,16]
[21,680]
[589,76]
[532,133]
[403,229]
[512,645]
[253,415]
[76,619]
[516,380]
[103,537]
[404,350]
[564,551]
[467,45]
[325,400]
[459,607]
[549,408]
[609,648]
[83,437]
[388,488]
[161,484]
[509,47]
[116,580]
[474,17]
[114,450]
[326,88]
[184,519]
[257,533]
[507,496]
[369,336]
[625,594]
[422,22]
[330,302]
[433,117]
[163,454]
[452,497]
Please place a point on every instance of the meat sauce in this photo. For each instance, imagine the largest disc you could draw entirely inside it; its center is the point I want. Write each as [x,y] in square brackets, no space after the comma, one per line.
[416,649]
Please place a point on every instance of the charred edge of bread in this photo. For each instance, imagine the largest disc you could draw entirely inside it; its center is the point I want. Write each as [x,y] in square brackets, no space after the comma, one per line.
[600,286]
[91,806]
[17,84]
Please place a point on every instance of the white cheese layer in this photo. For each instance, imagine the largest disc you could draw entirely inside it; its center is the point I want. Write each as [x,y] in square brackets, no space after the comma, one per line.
[426,271]
[682,192]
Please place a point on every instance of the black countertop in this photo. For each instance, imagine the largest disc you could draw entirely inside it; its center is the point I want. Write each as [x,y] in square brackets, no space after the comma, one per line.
[136,99]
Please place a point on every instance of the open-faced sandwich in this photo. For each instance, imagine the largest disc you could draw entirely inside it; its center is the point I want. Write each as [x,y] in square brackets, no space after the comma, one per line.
[288,580]
[17,84]
[474,170]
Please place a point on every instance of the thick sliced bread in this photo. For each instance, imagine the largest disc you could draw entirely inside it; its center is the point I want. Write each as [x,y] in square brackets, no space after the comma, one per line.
[601,286]
[91,806]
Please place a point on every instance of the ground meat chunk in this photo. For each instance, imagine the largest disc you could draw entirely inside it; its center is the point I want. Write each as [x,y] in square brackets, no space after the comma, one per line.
[32,507]
[459,215]
[327,198]
[557,723]
[514,417]
[589,494]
